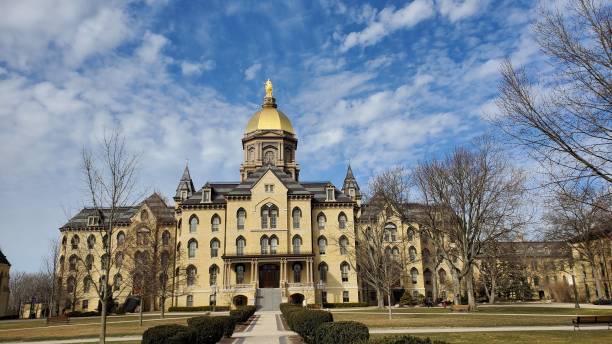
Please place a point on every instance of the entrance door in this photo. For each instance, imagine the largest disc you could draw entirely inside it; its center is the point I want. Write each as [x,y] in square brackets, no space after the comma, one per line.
[269,276]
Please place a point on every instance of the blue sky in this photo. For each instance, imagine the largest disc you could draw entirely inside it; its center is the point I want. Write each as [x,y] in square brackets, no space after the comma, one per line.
[379,84]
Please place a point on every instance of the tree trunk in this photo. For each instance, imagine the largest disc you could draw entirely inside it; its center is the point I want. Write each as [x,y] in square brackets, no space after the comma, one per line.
[389,306]
[162,302]
[103,316]
[434,287]
[141,307]
[577,304]
[469,286]
[380,298]
[492,295]
[597,274]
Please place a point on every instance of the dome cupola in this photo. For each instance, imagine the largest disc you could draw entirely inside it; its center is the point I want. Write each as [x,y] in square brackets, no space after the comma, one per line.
[269,117]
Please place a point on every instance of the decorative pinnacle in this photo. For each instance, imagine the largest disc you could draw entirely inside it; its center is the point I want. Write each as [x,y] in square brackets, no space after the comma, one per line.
[269,101]
[268,87]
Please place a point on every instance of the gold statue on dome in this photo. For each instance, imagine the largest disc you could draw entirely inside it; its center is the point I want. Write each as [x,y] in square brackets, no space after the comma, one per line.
[268,86]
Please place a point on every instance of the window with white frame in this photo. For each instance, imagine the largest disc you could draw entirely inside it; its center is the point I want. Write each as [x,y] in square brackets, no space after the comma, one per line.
[330,196]
[214,248]
[215,223]
[206,196]
[241,218]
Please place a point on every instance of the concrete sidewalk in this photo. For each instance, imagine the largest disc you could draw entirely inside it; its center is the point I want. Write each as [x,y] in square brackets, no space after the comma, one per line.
[408,330]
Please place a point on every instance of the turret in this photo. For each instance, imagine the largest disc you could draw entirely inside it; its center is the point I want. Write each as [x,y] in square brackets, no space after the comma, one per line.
[350,186]
[185,187]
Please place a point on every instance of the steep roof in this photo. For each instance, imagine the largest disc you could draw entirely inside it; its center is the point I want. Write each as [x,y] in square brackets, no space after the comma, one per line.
[350,182]
[244,188]
[3,259]
[185,184]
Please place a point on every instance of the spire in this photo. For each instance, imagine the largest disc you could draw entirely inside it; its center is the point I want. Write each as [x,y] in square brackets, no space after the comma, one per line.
[350,186]
[185,187]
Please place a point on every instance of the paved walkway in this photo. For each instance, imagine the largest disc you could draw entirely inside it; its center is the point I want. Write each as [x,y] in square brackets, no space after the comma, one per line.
[266,328]
[396,330]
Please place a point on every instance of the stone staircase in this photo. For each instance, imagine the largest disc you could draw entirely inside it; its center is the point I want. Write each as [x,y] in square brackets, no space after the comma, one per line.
[268,299]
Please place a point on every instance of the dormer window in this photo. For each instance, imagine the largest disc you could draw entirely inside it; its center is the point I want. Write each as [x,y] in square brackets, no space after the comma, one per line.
[93,221]
[184,195]
[205,195]
[352,192]
[330,194]
[269,187]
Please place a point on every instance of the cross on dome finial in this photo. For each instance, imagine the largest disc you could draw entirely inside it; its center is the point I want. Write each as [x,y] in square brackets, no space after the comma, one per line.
[268,87]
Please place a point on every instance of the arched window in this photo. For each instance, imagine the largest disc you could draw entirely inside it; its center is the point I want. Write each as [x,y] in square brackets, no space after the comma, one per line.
[241,218]
[414,274]
[269,215]
[395,252]
[265,244]
[62,261]
[142,236]
[344,271]
[64,241]
[251,154]
[412,253]
[89,261]
[72,263]
[388,251]
[70,284]
[322,244]
[191,275]
[189,300]
[166,238]
[273,244]
[297,243]
[74,242]
[105,241]
[323,268]
[215,221]
[193,224]
[321,220]
[91,242]
[120,238]
[343,245]
[86,284]
[214,248]
[410,233]
[179,226]
[297,272]
[144,215]
[390,232]
[191,248]
[164,260]
[426,255]
[240,244]
[342,221]
[269,157]
[117,281]
[239,274]
[296,214]
[427,276]
[119,259]
[213,272]
[442,276]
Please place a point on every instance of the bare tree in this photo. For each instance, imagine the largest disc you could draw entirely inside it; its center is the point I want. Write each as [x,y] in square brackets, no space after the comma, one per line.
[110,177]
[564,120]
[379,252]
[580,219]
[480,194]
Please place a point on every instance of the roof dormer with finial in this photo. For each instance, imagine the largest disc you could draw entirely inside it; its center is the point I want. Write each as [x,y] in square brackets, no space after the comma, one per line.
[350,186]
[185,187]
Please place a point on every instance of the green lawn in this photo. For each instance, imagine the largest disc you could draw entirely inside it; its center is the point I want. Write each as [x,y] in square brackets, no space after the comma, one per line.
[535,337]
[493,310]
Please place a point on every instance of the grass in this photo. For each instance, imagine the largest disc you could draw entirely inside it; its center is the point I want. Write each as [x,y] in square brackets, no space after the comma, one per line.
[495,310]
[447,320]
[535,337]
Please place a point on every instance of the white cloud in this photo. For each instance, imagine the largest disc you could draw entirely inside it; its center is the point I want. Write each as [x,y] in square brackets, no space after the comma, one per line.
[149,51]
[388,21]
[251,72]
[456,10]
[192,68]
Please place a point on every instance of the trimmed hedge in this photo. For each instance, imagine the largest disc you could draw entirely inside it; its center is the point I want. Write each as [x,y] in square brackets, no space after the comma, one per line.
[405,339]
[161,334]
[198,309]
[243,313]
[341,332]
[305,322]
[345,304]
[602,302]
[78,314]
[229,325]
[207,329]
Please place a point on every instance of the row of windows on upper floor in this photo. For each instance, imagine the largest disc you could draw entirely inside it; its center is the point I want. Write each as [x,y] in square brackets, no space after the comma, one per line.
[142,238]
[269,219]
[390,233]
[141,260]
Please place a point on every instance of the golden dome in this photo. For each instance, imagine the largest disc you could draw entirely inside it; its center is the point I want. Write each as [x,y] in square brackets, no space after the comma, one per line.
[269,118]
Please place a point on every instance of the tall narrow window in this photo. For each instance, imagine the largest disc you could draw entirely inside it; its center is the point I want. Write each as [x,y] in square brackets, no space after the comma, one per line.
[297,272]
[215,222]
[214,248]
[297,216]
[120,238]
[343,245]
[345,296]
[192,246]
[91,242]
[273,244]
[410,233]
[264,217]
[241,218]
[344,271]
[191,275]
[414,274]
[213,271]
[342,221]
[119,259]
[239,274]
[206,195]
[72,263]
[264,242]
[189,301]
[193,224]
[75,242]
[329,194]
[323,272]
[412,253]
[297,243]
[322,244]
[321,221]
[89,260]
[273,217]
[240,244]
[390,232]
[166,238]
[441,276]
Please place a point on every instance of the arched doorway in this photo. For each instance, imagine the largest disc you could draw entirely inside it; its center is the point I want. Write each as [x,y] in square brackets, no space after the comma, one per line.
[240,300]
[296,299]
[269,276]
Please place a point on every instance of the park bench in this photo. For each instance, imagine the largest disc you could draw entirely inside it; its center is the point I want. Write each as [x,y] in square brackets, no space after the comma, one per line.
[592,320]
[460,308]
[63,319]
